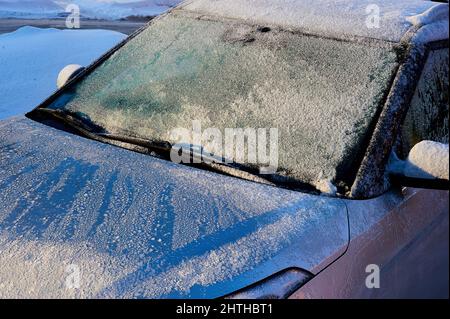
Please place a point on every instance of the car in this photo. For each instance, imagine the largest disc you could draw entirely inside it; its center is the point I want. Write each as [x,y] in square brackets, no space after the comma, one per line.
[102,194]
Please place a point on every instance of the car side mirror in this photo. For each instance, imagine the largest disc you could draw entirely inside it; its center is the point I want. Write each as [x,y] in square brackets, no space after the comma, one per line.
[427,166]
[68,73]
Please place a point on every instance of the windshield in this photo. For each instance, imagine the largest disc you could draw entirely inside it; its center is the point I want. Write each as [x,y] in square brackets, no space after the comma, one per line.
[322,95]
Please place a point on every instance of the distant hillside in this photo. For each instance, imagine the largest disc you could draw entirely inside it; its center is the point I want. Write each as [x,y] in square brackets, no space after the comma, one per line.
[141,10]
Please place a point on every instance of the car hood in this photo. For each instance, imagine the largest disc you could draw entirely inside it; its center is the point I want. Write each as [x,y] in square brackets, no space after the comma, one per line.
[79,218]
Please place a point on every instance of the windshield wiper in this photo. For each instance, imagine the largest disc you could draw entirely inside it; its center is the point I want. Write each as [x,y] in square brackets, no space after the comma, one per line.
[87,129]
[220,165]
[70,119]
[163,148]
[237,172]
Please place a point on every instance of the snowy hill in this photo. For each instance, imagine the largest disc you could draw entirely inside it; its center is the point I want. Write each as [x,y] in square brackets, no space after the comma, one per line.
[94,9]
[31,58]
[33,9]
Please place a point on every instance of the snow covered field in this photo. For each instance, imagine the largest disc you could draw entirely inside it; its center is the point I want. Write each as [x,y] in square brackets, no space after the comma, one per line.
[98,9]
[31,58]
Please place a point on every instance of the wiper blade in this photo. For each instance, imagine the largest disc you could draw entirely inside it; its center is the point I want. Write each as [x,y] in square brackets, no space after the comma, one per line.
[220,165]
[87,129]
[151,144]
[237,172]
[70,119]
[97,133]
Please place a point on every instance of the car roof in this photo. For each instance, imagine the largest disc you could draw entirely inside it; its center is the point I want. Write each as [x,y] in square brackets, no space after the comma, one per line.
[332,18]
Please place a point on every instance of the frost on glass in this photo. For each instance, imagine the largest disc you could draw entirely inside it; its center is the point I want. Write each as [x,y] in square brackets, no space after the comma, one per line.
[427,118]
[330,17]
[321,94]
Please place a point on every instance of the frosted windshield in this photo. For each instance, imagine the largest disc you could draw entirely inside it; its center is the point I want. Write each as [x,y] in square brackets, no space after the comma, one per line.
[321,94]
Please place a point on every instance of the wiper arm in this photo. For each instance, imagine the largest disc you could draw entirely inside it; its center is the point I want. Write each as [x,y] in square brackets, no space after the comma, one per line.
[70,119]
[91,131]
[163,148]
[219,165]
[237,172]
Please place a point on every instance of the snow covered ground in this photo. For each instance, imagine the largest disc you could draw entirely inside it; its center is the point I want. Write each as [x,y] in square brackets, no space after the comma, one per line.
[98,9]
[31,58]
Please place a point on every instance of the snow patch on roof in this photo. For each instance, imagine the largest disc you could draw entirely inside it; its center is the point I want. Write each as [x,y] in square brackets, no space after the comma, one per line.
[437,13]
[432,24]
[432,32]
[327,17]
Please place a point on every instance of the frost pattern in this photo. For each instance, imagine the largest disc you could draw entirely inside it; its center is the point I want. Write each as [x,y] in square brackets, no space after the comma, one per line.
[130,221]
[321,94]
[427,118]
[335,18]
